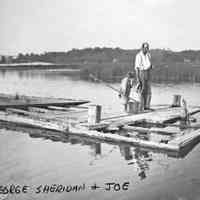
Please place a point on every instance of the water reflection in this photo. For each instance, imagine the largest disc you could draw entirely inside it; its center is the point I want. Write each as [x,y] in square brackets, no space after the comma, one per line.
[135,156]
[96,147]
[138,157]
[126,152]
[40,73]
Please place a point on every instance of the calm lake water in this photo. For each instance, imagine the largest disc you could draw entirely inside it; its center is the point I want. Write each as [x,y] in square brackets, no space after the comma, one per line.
[35,161]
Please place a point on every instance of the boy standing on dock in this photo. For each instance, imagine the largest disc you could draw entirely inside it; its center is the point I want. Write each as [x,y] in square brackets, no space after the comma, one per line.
[125,89]
[143,67]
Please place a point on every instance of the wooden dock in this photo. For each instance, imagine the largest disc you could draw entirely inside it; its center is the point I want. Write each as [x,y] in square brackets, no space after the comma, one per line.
[57,116]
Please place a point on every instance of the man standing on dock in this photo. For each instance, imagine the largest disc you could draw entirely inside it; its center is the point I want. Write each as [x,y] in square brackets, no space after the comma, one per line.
[143,68]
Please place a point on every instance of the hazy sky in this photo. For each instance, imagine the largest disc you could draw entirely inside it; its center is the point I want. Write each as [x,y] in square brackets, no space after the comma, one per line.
[60,25]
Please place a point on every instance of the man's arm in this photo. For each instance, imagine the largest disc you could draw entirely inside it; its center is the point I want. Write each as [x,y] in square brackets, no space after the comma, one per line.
[151,66]
[137,68]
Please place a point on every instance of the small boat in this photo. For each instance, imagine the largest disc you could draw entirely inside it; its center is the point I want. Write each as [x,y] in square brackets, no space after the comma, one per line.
[22,101]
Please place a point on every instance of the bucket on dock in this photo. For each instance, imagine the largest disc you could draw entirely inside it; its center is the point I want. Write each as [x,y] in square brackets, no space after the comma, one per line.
[94,114]
[176,100]
[133,107]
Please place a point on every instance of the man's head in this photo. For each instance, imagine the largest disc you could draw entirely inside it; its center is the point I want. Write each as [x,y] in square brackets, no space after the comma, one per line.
[145,47]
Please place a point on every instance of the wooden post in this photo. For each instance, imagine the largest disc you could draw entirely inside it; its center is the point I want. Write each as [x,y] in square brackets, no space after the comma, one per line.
[94,114]
[176,100]
[133,107]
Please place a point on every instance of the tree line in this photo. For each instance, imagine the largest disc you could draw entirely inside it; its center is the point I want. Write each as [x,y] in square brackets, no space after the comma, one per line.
[111,64]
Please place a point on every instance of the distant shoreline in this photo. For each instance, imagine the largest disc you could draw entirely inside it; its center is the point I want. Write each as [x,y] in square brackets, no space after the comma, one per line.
[38,66]
[113,72]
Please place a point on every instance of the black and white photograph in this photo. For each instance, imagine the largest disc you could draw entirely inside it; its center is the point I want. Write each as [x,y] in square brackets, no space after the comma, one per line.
[99,100]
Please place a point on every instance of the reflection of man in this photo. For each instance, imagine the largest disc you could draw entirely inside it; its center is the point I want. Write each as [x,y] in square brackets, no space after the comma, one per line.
[126,152]
[142,157]
[143,67]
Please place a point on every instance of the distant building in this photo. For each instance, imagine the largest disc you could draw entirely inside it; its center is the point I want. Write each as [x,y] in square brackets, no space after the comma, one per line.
[9,59]
[2,59]
[6,59]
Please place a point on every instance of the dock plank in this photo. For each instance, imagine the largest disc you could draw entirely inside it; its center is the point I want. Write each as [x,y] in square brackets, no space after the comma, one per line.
[36,109]
[161,131]
[161,116]
[58,108]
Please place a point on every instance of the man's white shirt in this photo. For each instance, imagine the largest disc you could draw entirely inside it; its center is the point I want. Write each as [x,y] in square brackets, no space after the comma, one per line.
[142,61]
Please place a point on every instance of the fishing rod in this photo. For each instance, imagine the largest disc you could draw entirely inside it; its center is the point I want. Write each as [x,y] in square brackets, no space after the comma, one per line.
[101,81]
[108,85]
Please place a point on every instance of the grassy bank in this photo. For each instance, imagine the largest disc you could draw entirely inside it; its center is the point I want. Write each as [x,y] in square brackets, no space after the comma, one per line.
[171,72]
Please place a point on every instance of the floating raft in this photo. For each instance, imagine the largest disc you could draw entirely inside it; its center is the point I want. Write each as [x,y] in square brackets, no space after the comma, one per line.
[16,101]
[56,115]
[164,116]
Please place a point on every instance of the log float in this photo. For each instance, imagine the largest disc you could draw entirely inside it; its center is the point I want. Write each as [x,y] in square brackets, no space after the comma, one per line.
[185,139]
[160,116]
[83,131]
[25,121]
[119,138]
[166,116]
[175,145]
[78,130]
